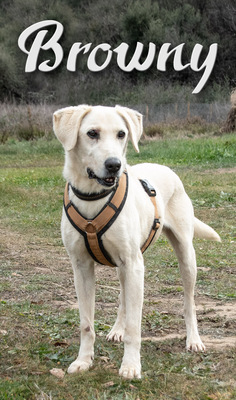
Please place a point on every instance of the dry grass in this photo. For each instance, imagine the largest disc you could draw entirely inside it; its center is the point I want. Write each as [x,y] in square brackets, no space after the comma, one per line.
[25,122]
[42,395]
[187,127]
[29,122]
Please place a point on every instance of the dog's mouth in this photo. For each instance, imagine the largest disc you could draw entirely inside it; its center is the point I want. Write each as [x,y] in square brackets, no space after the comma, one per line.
[109,181]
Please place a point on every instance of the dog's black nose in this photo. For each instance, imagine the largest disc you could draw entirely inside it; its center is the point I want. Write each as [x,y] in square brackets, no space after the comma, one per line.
[112,165]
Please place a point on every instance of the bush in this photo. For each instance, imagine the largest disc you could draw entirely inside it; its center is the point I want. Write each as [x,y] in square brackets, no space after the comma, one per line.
[154,131]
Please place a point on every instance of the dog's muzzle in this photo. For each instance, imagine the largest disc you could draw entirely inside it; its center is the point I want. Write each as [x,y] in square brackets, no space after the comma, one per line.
[112,167]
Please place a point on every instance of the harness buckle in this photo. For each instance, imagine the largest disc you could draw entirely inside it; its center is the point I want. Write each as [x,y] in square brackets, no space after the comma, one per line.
[90,228]
[156,224]
[148,188]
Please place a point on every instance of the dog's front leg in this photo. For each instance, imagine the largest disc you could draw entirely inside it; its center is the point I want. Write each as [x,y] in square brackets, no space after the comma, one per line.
[117,332]
[85,289]
[133,280]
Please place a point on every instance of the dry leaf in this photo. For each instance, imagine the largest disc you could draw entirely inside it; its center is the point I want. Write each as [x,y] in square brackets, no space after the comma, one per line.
[60,343]
[58,373]
[108,384]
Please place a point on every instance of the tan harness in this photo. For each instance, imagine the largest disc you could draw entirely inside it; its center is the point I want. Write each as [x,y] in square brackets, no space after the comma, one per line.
[93,229]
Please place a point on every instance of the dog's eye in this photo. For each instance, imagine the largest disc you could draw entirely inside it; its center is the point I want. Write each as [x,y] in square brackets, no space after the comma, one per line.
[121,135]
[93,134]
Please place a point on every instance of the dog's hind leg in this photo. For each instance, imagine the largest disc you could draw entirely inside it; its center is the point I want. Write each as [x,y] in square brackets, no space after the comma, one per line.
[182,244]
[85,289]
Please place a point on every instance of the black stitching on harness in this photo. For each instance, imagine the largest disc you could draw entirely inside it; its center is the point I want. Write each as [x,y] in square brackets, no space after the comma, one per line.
[113,207]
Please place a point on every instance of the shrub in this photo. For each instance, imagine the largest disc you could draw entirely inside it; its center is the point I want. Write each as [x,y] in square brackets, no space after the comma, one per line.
[154,131]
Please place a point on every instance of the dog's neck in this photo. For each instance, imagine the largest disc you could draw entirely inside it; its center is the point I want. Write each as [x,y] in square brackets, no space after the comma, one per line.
[87,187]
[84,188]
[92,196]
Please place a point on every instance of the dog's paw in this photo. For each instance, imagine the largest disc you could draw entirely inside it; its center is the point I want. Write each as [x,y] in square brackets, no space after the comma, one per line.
[79,366]
[195,345]
[130,371]
[116,335]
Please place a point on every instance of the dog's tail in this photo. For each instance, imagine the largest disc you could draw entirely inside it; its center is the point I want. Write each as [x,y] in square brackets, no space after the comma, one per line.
[204,231]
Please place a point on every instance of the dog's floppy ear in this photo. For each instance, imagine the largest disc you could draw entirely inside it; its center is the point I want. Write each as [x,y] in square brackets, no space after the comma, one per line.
[66,124]
[134,122]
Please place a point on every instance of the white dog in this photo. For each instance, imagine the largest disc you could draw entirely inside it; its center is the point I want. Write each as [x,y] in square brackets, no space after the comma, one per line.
[95,141]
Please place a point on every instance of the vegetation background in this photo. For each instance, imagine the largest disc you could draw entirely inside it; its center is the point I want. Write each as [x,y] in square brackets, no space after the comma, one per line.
[99,21]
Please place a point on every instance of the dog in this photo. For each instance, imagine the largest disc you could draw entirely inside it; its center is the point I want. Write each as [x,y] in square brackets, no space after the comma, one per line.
[95,140]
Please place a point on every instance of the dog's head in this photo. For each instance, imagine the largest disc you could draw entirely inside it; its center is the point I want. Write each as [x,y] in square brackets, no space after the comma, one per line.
[95,141]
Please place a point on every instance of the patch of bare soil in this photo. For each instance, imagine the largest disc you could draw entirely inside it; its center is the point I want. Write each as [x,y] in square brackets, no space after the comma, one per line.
[39,272]
[217,321]
[209,341]
[28,264]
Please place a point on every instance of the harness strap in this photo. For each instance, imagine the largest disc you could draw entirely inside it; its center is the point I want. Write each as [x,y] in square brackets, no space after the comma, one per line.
[155,226]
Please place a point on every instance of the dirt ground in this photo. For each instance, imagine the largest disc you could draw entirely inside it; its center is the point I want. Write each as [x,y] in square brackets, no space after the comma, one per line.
[26,260]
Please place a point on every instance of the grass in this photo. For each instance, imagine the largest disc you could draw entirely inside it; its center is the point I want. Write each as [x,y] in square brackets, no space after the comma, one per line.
[39,322]
[198,152]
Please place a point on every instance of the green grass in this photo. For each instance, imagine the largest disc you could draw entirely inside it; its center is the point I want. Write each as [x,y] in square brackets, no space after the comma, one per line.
[34,153]
[32,184]
[216,152]
[40,328]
